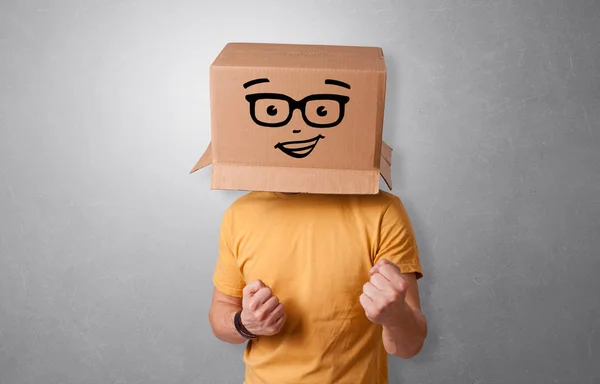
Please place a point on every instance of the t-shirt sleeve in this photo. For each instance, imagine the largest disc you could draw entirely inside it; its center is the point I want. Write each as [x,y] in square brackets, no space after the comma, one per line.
[397,242]
[228,277]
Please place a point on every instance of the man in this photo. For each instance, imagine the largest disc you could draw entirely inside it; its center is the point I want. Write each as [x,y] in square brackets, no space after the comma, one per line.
[322,286]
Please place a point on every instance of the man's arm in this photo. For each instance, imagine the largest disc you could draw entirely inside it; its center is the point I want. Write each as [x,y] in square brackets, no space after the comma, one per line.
[405,336]
[390,298]
[262,313]
[220,315]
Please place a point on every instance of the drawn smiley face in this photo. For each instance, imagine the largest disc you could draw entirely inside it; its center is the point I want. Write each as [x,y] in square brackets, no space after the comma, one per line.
[319,111]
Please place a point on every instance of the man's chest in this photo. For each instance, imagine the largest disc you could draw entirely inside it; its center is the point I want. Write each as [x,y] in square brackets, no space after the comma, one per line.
[313,263]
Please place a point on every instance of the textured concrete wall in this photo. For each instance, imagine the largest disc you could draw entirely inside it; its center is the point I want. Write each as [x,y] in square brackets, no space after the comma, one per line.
[107,245]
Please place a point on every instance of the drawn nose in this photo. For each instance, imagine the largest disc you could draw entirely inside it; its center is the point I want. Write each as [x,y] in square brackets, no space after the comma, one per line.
[296,131]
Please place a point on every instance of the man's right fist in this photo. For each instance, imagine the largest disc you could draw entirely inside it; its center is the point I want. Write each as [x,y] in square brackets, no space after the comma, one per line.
[262,313]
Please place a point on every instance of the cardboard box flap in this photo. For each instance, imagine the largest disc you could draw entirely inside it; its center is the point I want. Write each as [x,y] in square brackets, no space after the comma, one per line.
[205,160]
[385,166]
[294,180]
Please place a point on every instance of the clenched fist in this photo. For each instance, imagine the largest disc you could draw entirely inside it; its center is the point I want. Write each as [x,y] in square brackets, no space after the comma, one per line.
[262,313]
[383,297]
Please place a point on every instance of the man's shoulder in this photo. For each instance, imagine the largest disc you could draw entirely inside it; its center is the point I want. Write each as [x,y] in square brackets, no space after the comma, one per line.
[252,197]
[386,197]
[380,201]
[248,201]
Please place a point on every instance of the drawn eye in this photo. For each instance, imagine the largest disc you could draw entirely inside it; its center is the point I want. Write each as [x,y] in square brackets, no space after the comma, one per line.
[271,110]
[321,111]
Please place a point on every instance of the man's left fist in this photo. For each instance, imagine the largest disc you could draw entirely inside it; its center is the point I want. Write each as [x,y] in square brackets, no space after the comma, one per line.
[383,297]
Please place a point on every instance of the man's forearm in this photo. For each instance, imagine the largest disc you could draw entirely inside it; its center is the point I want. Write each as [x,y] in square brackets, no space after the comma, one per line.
[221,320]
[405,338]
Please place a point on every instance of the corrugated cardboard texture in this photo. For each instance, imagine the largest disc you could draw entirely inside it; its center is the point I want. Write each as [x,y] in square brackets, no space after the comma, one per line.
[283,179]
[297,118]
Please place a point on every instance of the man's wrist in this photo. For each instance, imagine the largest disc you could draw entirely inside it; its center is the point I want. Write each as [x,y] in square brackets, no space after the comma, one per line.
[240,328]
[406,317]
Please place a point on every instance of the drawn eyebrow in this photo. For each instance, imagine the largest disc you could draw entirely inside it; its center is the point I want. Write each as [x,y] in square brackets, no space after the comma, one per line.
[255,81]
[338,83]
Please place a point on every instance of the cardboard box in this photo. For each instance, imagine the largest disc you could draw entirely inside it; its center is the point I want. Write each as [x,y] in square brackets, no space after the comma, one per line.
[297,118]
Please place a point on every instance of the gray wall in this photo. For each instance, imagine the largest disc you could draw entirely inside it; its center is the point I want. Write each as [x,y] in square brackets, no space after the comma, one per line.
[107,245]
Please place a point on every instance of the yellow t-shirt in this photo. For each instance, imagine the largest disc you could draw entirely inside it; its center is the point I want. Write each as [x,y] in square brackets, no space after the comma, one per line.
[315,252]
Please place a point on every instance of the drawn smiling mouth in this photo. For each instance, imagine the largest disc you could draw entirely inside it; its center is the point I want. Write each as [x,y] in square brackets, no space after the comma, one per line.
[299,149]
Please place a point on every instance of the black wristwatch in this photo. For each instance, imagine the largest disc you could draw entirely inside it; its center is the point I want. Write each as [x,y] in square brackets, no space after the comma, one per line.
[237,321]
